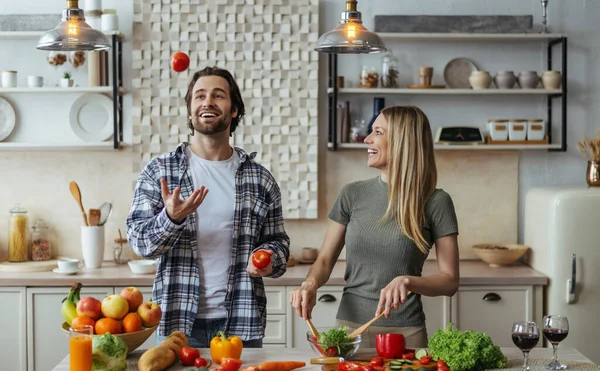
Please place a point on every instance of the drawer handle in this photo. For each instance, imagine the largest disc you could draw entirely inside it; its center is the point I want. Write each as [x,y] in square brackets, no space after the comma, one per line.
[491,296]
[326,298]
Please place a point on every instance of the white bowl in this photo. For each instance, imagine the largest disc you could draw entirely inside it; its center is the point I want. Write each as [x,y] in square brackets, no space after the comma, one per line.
[143,266]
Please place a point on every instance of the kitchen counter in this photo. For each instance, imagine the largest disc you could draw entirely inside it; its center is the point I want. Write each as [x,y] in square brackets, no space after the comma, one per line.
[574,359]
[472,272]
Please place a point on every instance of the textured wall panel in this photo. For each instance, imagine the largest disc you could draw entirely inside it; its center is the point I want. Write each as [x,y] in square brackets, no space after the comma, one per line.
[268,46]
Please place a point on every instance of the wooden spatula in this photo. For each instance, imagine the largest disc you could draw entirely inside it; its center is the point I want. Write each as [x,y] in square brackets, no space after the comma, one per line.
[74,188]
[313,329]
[362,328]
[94,217]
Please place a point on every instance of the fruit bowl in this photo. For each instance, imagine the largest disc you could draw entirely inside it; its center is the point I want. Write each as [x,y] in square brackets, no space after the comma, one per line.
[132,339]
[345,350]
[500,254]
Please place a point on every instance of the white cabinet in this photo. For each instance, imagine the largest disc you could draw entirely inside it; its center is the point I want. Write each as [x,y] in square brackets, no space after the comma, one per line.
[493,309]
[13,342]
[437,312]
[276,332]
[47,344]
[147,292]
[323,315]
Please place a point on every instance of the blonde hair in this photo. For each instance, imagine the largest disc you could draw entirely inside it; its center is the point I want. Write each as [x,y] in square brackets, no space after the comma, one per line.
[411,170]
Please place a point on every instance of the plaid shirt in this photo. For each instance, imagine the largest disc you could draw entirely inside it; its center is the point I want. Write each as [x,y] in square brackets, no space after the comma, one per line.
[258,224]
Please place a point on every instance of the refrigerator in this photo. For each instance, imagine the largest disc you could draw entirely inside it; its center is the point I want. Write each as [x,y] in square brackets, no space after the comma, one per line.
[562,227]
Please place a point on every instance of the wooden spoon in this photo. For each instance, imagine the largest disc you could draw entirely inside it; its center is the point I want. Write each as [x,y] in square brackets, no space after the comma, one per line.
[313,329]
[362,328]
[94,217]
[77,196]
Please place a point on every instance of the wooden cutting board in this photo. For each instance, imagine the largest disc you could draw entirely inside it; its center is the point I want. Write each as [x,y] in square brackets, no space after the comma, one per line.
[29,266]
[366,360]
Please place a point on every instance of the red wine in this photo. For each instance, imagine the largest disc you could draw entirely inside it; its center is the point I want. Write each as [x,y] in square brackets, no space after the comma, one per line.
[555,335]
[525,341]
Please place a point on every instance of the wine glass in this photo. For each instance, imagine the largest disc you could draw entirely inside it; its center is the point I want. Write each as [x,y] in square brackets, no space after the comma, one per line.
[525,335]
[556,329]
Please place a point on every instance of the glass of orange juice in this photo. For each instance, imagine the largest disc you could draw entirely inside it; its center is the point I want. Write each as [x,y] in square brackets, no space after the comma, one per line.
[80,347]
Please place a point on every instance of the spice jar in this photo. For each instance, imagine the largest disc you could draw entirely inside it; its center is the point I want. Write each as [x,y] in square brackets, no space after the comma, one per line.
[369,78]
[41,248]
[389,72]
[18,239]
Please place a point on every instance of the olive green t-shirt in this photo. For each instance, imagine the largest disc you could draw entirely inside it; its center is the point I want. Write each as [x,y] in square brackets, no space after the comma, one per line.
[377,251]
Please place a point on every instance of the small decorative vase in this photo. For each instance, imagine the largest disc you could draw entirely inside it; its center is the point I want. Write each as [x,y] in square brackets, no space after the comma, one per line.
[551,79]
[592,175]
[66,83]
[480,80]
[505,79]
[528,80]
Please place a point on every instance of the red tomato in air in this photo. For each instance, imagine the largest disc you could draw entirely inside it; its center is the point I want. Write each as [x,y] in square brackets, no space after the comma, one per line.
[180,62]
[261,259]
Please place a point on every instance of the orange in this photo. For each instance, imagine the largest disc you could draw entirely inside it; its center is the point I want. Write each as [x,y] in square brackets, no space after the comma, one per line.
[104,325]
[82,320]
[132,323]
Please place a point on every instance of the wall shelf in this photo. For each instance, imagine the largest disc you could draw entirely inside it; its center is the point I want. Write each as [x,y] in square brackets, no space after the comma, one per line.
[479,147]
[515,91]
[104,146]
[42,90]
[550,95]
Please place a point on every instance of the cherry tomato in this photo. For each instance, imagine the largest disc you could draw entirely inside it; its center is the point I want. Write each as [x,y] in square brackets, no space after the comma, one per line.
[377,361]
[331,351]
[230,364]
[443,368]
[188,355]
[200,362]
[261,259]
[425,360]
[441,363]
[408,356]
[180,62]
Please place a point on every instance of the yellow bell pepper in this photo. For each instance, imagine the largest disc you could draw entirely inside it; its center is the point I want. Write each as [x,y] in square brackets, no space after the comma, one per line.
[222,346]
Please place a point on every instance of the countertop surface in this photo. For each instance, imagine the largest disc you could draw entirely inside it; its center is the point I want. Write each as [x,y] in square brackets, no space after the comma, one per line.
[472,272]
[538,357]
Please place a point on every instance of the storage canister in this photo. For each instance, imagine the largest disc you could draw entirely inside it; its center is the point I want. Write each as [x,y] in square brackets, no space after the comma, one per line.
[18,236]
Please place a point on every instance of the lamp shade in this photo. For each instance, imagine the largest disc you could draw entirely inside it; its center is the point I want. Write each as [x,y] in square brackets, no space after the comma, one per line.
[72,33]
[350,36]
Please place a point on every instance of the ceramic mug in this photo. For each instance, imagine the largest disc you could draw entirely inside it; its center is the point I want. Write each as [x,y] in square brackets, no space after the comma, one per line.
[69,264]
[9,79]
[35,81]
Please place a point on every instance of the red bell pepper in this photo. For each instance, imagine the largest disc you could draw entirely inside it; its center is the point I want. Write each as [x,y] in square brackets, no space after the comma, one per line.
[390,345]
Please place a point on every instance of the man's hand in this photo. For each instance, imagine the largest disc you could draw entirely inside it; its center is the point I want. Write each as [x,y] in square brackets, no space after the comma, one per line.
[178,209]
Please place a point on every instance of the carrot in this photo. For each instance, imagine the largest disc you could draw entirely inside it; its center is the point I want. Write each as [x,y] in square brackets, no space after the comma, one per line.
[281,366]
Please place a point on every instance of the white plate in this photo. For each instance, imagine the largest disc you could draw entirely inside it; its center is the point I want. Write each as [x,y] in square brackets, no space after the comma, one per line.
[457,72]
[7,119]
[91,117]
[67,273]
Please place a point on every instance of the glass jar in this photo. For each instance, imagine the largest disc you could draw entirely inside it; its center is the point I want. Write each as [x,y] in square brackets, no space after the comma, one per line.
[122,246]
[369,78]
[41,248]
[389,72]
[18,238]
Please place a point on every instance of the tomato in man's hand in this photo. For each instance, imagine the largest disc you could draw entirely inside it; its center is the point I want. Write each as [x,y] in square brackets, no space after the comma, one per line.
[188,355]
[230,364]
[180,62]
[261,259]
[200,362]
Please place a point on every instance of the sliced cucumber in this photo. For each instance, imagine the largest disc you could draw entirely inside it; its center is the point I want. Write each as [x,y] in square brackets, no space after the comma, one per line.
[420,353]
[395,366]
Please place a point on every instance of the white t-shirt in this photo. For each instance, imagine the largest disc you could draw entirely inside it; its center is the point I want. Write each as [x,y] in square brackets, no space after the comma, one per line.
[214,230]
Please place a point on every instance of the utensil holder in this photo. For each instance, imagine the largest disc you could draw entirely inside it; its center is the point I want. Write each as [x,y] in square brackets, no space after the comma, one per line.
[92,245]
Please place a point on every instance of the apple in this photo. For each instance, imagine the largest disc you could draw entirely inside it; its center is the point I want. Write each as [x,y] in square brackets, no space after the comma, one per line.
[133,296]
[115,307]
[150,313]
[89,306]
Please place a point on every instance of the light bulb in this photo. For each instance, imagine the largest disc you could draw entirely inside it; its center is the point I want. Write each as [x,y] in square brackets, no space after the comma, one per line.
[351,31]
[72,29]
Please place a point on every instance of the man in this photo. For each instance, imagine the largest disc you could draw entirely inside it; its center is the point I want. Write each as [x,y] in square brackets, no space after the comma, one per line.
[205,281]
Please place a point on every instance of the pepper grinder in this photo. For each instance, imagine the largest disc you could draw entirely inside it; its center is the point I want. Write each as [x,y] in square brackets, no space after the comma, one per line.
[544,16]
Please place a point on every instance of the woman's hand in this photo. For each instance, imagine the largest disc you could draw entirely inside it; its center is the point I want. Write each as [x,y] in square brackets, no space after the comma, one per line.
[393,295]
[304,299]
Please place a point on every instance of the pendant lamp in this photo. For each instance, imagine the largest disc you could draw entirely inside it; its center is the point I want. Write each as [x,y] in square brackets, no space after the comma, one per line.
[350,36]
[73,33]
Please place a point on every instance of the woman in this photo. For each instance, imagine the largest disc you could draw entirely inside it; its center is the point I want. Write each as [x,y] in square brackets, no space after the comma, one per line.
[388,225]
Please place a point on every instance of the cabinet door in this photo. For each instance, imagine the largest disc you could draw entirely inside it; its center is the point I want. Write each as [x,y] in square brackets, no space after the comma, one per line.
[437,312]
[147,293]
[276,330]
[13,343]
[47,343]
[323,314]
[492,310]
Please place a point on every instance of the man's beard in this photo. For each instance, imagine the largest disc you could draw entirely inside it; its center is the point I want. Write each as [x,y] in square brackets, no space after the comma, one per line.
[212,128]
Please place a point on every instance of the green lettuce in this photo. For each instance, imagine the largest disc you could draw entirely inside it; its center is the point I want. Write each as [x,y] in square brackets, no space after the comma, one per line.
[465,350]
[109,353]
